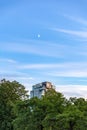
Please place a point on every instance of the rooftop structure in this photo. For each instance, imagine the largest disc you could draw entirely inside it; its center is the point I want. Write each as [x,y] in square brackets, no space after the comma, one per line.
[39,89]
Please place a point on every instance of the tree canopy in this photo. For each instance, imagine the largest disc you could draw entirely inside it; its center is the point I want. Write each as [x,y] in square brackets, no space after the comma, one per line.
[50,112]
[10,94]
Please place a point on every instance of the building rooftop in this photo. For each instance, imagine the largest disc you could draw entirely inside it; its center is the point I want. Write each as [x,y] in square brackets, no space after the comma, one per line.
[39,89]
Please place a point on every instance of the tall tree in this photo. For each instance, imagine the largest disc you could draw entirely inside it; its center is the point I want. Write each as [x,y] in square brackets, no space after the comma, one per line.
[10,93]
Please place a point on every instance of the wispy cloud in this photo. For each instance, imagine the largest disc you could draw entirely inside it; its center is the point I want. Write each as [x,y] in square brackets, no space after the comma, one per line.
[14,74]
[68,69]
[7,60]
[77,19]
[40,66]
[23,78]
[68,73]
[35,47]
[76,65]
[81,34]
[70,90]
[44,48]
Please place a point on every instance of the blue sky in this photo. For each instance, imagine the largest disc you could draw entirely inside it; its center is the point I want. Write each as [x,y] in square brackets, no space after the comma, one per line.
[45,41]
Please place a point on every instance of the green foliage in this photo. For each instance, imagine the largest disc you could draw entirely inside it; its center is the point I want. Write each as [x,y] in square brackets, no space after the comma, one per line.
[51,112]
[38,111]
[10,93]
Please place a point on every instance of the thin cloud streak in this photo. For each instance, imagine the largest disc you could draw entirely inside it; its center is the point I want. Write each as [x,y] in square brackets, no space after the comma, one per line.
[67,73]
[8,60]
[64,65]
[77,19]
[67,69]
[35,47]
[43,48]
[40,66]
[81,34]
[77,69]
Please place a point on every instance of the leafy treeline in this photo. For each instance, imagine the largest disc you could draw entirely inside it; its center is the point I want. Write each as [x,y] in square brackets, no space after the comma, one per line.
[51,112]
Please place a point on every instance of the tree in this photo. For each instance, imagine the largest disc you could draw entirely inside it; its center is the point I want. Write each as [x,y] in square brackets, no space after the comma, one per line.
[23,118]
[51,112]
[55,100]
[56,104]
[73,117]
[32,113]
[10,93]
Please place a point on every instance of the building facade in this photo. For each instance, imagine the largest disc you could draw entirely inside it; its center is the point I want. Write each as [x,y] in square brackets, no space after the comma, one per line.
[39,89]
